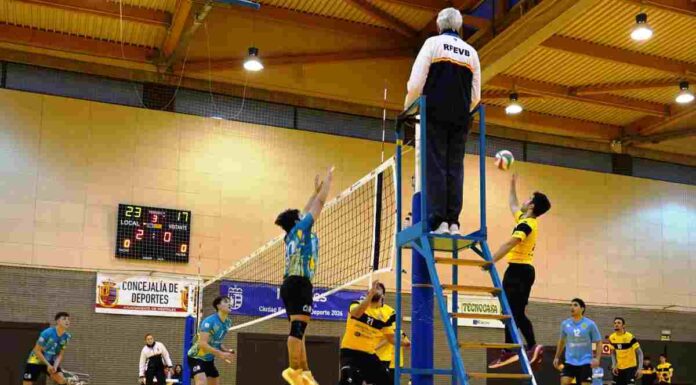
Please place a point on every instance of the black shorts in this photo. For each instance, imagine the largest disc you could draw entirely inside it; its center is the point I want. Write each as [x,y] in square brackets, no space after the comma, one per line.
[357,366]
[626,376]
[32,372]
[296,293]
[581,374]
[199,366]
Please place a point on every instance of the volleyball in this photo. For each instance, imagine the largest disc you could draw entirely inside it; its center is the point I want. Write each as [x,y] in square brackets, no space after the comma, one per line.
[504,159]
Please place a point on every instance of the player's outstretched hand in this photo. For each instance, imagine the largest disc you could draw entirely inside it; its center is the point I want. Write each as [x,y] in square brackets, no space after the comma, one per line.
[373,290]
[639,374]
[515,176]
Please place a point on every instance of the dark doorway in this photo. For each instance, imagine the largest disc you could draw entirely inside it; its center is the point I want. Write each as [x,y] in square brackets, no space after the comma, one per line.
[18,340]
[262,357]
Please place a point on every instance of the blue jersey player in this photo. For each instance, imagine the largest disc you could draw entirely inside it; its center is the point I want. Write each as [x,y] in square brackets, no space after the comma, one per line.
[578,334]
[208,344]
[48,352]
[301,261]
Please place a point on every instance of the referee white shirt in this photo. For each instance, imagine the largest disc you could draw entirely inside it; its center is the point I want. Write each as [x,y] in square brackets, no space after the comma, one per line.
[158,352]
[448,72]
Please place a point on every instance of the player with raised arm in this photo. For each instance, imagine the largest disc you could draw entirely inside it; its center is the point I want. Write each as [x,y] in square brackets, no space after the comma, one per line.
[301,261]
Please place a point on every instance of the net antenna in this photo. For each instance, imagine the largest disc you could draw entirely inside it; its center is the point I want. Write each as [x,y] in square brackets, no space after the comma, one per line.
[357,235]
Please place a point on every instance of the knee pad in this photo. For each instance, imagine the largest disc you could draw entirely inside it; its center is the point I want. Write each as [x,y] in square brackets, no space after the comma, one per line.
[350,376]
[297,329]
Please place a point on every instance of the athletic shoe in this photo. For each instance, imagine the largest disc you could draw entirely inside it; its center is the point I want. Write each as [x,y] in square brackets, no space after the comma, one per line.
[442,229]
[536,354]
[292,376]
[506,358]
[309,379]
[454,229]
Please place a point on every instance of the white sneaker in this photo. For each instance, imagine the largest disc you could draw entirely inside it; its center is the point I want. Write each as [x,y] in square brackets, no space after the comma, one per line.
[454,229]
[442,229]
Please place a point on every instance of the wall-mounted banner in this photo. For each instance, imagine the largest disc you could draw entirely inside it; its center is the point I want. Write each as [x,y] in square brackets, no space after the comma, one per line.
[257,299]
[477,304]
[144,295]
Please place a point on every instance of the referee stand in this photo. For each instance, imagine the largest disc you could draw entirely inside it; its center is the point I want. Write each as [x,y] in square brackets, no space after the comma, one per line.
[427,290]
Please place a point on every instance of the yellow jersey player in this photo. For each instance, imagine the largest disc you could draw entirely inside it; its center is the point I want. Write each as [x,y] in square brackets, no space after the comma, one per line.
[665,371]
[367,324]
[519,276]
[626,355]
[385,348]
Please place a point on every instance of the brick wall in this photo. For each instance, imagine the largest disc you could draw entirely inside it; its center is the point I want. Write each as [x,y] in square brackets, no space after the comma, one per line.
[108,346]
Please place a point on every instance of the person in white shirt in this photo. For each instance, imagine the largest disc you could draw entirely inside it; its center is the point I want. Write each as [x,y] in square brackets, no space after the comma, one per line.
[154,362]
[447,71]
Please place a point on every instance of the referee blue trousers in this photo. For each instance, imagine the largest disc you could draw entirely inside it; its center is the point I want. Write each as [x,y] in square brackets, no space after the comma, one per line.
[446,144]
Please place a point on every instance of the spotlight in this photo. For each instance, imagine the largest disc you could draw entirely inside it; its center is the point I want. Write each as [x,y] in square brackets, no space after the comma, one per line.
[514,107]
[685,96]
[641,31]
[252,62]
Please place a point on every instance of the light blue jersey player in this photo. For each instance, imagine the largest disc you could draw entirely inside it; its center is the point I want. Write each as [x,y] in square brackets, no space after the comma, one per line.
[208,344]
[47,354]
[578,335]
[301,262]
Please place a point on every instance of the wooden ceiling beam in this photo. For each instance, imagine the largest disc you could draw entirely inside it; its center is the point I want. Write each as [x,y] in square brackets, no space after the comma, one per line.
[562,92]
[621,55]
[686,7]
[678,115]
[504,94]
[604,88]
[110,9]
[181,16]
[306,20]
[549,124]
[384,17]
[430,5]
[527,33]
[660,136]
[312,58]
[77,44]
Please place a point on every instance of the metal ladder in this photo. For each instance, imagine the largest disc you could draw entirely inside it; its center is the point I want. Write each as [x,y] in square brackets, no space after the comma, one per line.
[421,241]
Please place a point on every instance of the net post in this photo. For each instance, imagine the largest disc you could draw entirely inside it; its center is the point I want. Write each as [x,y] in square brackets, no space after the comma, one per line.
[397,351]
[189,328]
[422,291]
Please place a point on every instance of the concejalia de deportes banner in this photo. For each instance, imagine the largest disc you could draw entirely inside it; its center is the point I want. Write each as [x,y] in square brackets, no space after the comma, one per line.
[144,295]
[255,299]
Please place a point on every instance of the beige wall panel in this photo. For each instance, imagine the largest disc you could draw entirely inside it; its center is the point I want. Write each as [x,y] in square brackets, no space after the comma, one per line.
[67,164]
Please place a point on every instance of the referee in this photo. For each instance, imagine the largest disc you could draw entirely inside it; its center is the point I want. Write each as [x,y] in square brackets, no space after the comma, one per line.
[448,73]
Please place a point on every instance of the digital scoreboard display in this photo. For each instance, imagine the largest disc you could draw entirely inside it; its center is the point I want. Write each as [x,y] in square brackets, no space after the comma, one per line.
[154,234]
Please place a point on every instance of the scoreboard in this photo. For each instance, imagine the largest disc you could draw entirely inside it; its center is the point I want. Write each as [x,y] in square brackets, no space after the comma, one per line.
[151,233]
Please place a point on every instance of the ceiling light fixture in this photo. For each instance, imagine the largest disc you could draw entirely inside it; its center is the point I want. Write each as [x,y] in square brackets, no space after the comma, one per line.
[641,31]
[513,108]
[685,96]
[252,62]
